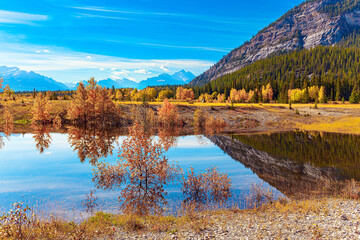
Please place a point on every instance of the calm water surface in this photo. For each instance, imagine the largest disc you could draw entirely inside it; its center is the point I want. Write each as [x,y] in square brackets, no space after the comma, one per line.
[56,180]
[46,171]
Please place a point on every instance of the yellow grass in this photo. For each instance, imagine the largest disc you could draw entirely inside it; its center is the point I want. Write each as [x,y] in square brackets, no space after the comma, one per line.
[343,125]
[200,104]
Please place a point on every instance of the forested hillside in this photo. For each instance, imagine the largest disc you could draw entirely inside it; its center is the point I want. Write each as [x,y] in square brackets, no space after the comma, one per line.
[336,68]
[313,23]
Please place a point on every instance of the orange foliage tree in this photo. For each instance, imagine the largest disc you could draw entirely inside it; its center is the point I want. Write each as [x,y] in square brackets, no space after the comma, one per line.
[184,94]
[41,110]
[92,104]
[210,186]
[9,121]
[168,114]
[267,93]
[143,169]
[214,125]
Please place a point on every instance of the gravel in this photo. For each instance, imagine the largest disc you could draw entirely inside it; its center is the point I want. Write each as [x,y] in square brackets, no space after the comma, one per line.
[335,219]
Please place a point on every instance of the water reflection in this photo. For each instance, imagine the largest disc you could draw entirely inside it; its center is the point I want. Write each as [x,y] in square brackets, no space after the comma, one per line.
[42,137]
[142,170]
[297,163]
[92,143]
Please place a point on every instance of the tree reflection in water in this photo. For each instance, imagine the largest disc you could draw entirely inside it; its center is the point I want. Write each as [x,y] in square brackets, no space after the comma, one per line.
[8,125]
[42,137]
[92,143]
[2,144]
[143,170]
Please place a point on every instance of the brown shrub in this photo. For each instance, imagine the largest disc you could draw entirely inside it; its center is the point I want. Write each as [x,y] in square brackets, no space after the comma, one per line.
[168,114]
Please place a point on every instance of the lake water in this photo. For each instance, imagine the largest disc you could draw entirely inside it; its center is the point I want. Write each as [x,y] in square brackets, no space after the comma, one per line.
[52,172]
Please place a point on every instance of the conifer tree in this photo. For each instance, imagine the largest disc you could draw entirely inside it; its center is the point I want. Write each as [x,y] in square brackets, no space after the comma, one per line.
[355,96]
[41,110]
[322,95]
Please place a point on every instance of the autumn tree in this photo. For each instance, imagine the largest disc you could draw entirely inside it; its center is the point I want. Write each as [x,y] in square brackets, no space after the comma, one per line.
[1,83]
[184,94]
[199,118]
[143,170]
[9,121]
[41,109]
[210,186]
[168,114]
[145,116]
[165,94]
[221,98]
[8,91]
[267,93]
[92,104]
[78,109]
[205,98]
[214,124]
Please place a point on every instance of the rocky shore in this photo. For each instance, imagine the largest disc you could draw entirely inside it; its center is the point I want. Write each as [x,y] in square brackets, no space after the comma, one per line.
[317,219]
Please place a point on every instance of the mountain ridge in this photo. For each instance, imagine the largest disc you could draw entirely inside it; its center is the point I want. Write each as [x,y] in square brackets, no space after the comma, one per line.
[310,24]
[20,80]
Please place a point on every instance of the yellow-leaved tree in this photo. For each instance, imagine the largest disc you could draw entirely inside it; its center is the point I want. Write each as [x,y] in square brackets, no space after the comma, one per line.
[41,110]
[92,104]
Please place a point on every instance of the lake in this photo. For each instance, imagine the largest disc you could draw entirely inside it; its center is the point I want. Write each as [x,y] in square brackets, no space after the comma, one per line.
[52,172]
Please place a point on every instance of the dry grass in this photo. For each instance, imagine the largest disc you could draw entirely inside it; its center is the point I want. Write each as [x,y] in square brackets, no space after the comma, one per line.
[261,105]
[106,225]
[343,125]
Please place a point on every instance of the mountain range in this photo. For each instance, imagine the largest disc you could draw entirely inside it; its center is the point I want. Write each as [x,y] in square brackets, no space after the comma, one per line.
[312,23]
[179,78]
[20,80]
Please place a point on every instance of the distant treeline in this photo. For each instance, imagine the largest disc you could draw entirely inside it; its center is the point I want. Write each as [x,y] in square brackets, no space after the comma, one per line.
[336,68]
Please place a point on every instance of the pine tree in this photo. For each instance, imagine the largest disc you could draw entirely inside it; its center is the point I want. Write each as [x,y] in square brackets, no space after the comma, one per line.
[355,96]
[41,110]
[338,92]
[322,95]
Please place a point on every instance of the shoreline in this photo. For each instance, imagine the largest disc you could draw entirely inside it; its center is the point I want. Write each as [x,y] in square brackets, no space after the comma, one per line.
[240,119]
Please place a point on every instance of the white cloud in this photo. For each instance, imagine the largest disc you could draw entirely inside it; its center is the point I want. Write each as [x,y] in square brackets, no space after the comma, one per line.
[132,79]
[20,18]
[66,65]
[89,58]
[164,68]
[119,74]
[142,71]
[43,51]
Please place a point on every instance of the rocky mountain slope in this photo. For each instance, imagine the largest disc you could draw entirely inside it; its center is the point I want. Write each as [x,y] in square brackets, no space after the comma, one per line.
[313,23]
[289,177]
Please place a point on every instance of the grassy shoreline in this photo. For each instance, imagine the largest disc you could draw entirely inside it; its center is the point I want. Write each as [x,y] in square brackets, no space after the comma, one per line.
[242,118]
[313,218]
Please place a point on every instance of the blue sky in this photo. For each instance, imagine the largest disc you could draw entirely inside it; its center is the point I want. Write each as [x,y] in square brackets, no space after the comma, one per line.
[71,40]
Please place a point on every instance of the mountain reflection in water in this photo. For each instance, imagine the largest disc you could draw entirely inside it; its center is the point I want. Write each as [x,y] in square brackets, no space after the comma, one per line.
[295,163]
